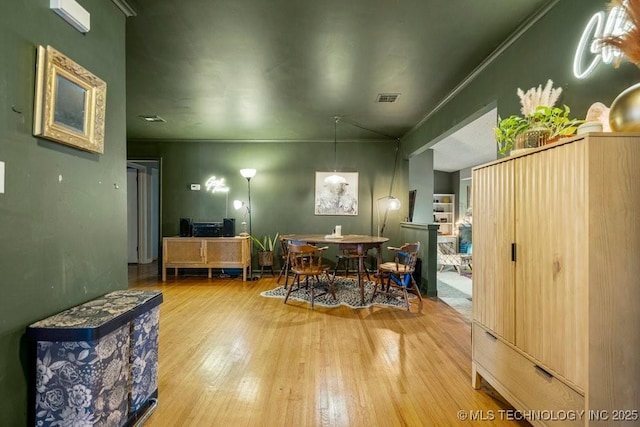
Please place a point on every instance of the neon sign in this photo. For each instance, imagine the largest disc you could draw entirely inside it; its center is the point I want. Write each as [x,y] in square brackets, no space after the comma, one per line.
[590,51]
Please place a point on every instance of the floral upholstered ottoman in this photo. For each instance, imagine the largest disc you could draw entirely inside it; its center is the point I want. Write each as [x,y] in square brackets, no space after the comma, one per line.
[97,363]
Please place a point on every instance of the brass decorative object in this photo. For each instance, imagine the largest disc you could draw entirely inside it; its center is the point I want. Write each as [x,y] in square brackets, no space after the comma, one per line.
[533,137]
[624,115]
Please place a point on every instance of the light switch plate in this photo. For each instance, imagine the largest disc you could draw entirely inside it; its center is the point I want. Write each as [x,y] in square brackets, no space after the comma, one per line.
[1,177]
[195,187]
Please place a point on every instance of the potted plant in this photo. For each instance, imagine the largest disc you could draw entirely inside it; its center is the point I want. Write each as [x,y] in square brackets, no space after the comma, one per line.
[266,247]
[507,131]
[540,122]
[557,120]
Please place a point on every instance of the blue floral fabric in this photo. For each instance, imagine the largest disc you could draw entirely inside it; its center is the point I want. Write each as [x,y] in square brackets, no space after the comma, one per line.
[144,381]
[101,382]
[83,383]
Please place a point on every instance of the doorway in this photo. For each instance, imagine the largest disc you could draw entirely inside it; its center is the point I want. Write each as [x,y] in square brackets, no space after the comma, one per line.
[454,155]
[143,211]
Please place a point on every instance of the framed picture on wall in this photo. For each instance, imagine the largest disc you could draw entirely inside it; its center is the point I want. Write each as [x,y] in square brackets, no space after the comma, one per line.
[70,102]
[412,204]
[336,193]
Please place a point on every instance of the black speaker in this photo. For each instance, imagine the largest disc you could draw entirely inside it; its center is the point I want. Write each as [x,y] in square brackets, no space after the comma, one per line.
[228,227]
[185,227]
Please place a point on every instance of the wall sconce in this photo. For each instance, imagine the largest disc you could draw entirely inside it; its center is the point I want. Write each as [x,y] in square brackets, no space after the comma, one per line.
[389,203]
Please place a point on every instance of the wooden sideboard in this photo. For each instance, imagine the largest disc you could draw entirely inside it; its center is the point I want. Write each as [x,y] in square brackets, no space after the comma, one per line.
[206,252]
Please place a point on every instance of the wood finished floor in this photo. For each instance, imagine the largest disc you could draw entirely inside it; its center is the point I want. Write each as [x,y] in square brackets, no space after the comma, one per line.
[229,357]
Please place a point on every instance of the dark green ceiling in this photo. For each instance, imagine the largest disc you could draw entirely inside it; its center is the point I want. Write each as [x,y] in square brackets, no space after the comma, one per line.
[282,69]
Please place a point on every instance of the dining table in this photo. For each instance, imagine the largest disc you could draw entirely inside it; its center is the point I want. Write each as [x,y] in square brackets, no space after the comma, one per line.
[361,243]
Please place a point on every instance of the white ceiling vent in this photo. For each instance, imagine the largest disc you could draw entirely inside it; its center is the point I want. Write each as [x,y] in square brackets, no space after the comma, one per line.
[387,97]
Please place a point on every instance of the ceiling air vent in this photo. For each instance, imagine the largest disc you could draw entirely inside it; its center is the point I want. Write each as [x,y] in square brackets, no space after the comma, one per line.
[152,119]
[387,97]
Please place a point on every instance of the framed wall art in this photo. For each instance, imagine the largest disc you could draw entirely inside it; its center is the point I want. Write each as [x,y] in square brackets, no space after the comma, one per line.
[70,102]
[336,193]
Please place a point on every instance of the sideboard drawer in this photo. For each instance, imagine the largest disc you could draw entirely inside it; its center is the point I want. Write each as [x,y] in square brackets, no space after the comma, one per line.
[538,391]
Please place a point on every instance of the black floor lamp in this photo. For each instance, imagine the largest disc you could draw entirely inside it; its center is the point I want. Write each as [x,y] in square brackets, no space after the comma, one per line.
[248,173]
[390,204]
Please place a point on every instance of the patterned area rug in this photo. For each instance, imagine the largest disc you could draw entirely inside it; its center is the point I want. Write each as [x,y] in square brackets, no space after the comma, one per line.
[347,293]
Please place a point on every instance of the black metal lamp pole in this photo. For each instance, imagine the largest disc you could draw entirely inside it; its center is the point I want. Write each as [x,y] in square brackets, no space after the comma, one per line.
[249,205]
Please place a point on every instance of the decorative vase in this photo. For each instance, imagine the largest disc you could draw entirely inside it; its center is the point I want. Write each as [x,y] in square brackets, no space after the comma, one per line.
[535,136]
[624,115]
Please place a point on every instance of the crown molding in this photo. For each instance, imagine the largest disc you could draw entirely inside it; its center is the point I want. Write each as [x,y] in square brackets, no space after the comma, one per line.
[125,7]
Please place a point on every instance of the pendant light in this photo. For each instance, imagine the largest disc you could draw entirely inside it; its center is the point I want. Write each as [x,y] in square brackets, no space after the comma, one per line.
[335,179]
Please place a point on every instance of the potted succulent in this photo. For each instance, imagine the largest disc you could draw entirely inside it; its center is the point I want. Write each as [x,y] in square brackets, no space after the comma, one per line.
[266,247]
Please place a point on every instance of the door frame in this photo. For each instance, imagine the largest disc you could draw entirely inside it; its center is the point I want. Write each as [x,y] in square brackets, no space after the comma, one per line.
[147,215]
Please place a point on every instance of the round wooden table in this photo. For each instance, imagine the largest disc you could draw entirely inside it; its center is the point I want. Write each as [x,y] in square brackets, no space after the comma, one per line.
[361,243]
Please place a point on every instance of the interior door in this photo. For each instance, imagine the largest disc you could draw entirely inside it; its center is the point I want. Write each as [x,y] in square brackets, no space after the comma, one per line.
[132,215]
[493,235]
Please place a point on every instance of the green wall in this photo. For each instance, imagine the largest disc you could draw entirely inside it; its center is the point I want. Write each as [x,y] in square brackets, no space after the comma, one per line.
[62,219]
[544,52]
[282,192]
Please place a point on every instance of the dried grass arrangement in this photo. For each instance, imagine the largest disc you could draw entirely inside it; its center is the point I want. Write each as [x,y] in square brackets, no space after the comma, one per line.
[534,98]
[629,42]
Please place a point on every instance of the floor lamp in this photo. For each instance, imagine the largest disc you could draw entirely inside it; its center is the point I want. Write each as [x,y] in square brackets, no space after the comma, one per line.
[238,204]
[248,173]
[391,204]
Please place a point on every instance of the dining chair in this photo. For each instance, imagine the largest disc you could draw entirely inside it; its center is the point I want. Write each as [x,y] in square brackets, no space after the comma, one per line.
[285,265]
[398,274]
[284,260]
[306,261]
[347,257]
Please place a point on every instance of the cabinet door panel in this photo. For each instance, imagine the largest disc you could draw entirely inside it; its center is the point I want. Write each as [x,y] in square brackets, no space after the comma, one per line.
[229,252]
[185,251]
[552,258]
[493,233]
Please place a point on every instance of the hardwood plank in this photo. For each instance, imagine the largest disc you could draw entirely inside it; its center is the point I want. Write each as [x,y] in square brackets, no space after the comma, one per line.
[230,357]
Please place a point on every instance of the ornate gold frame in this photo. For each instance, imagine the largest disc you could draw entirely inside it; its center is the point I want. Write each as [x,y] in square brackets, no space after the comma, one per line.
[84,126]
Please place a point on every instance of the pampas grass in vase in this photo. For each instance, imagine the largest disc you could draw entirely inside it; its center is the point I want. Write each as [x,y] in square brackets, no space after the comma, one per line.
[624,115]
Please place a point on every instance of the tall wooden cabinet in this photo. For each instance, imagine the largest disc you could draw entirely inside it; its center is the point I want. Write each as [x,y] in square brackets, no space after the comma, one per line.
[556,280]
